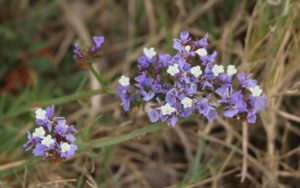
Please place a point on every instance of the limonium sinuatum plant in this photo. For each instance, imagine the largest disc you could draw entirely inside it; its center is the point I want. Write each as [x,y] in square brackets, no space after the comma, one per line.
[190,82]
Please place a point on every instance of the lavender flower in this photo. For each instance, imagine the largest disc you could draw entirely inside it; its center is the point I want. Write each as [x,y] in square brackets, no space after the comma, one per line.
[53,138]
[82,56]
[97,44]
[189,82]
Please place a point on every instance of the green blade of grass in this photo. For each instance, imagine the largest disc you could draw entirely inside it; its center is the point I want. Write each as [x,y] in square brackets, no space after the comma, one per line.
[122,138]
[55,101]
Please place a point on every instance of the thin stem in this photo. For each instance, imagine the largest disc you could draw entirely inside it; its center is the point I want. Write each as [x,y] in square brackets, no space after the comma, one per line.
[98,77]
[56,101]
[245,151]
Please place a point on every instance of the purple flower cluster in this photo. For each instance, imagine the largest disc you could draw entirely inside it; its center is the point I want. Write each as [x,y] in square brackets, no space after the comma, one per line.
[82,56]
[53,138]
[174,87]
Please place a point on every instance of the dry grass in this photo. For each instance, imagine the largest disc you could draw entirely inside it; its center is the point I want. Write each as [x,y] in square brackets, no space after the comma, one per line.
[261,37]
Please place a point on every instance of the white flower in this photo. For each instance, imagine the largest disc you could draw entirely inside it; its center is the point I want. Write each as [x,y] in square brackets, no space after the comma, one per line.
[65,147]
[201,52]
[256,91]
[218,69]
[47,141]
[39,132]
[40,113]
[187,102]
[173,69]
[187,48]
[124,81]
[231,70]
[149,52]
[167,109]
[196,71]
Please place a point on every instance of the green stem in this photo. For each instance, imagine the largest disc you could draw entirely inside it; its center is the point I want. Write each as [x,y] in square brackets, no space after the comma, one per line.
[150,128]
[122,138]
[98,77]
[56,101]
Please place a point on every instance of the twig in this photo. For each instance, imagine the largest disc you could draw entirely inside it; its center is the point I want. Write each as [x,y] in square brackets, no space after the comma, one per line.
[245,151]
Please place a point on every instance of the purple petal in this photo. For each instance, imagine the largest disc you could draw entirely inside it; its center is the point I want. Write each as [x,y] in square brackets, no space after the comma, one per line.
[50,112]
[251,118]
[260,103]
[173,120]
[184,35]
[212,115]
[170,98]
[153,115]
[39,150]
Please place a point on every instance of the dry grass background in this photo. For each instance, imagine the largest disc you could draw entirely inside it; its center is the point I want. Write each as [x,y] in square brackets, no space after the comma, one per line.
[261,37]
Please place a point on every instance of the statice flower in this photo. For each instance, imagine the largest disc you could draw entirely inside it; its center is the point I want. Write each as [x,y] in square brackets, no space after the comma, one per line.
[189,82]
[53,138]
[85,55]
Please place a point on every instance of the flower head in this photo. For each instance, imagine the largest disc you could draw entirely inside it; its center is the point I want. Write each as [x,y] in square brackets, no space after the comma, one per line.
[45,142]
[190,82]
[83,55]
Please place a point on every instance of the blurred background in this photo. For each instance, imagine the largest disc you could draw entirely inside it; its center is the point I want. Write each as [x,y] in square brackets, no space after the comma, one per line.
[37,69]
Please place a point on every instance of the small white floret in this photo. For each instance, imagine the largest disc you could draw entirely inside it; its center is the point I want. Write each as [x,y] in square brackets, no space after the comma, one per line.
[256,91]
[47,141]
[167,109]
[40,113]
[65,147]
[124,81]
[196,71]
[231,70]
[173,69]
[187,48]
[202,52]
[187,102]
[218,69]
[39,132]
[149,52]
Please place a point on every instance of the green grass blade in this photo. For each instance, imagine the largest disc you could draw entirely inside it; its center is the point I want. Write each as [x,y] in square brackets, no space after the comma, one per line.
[122,138]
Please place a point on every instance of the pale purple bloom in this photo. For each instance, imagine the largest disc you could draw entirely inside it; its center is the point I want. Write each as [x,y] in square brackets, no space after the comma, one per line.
[61,127]
[97,43]
[84,55]
[164,81]
[147,96]
[202,42]
[124,95]
[179,44]
[78,54]
[40,150]
[50,112]
[45,142]
[153,115]
[245,80]
[235,105]
[69,152]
